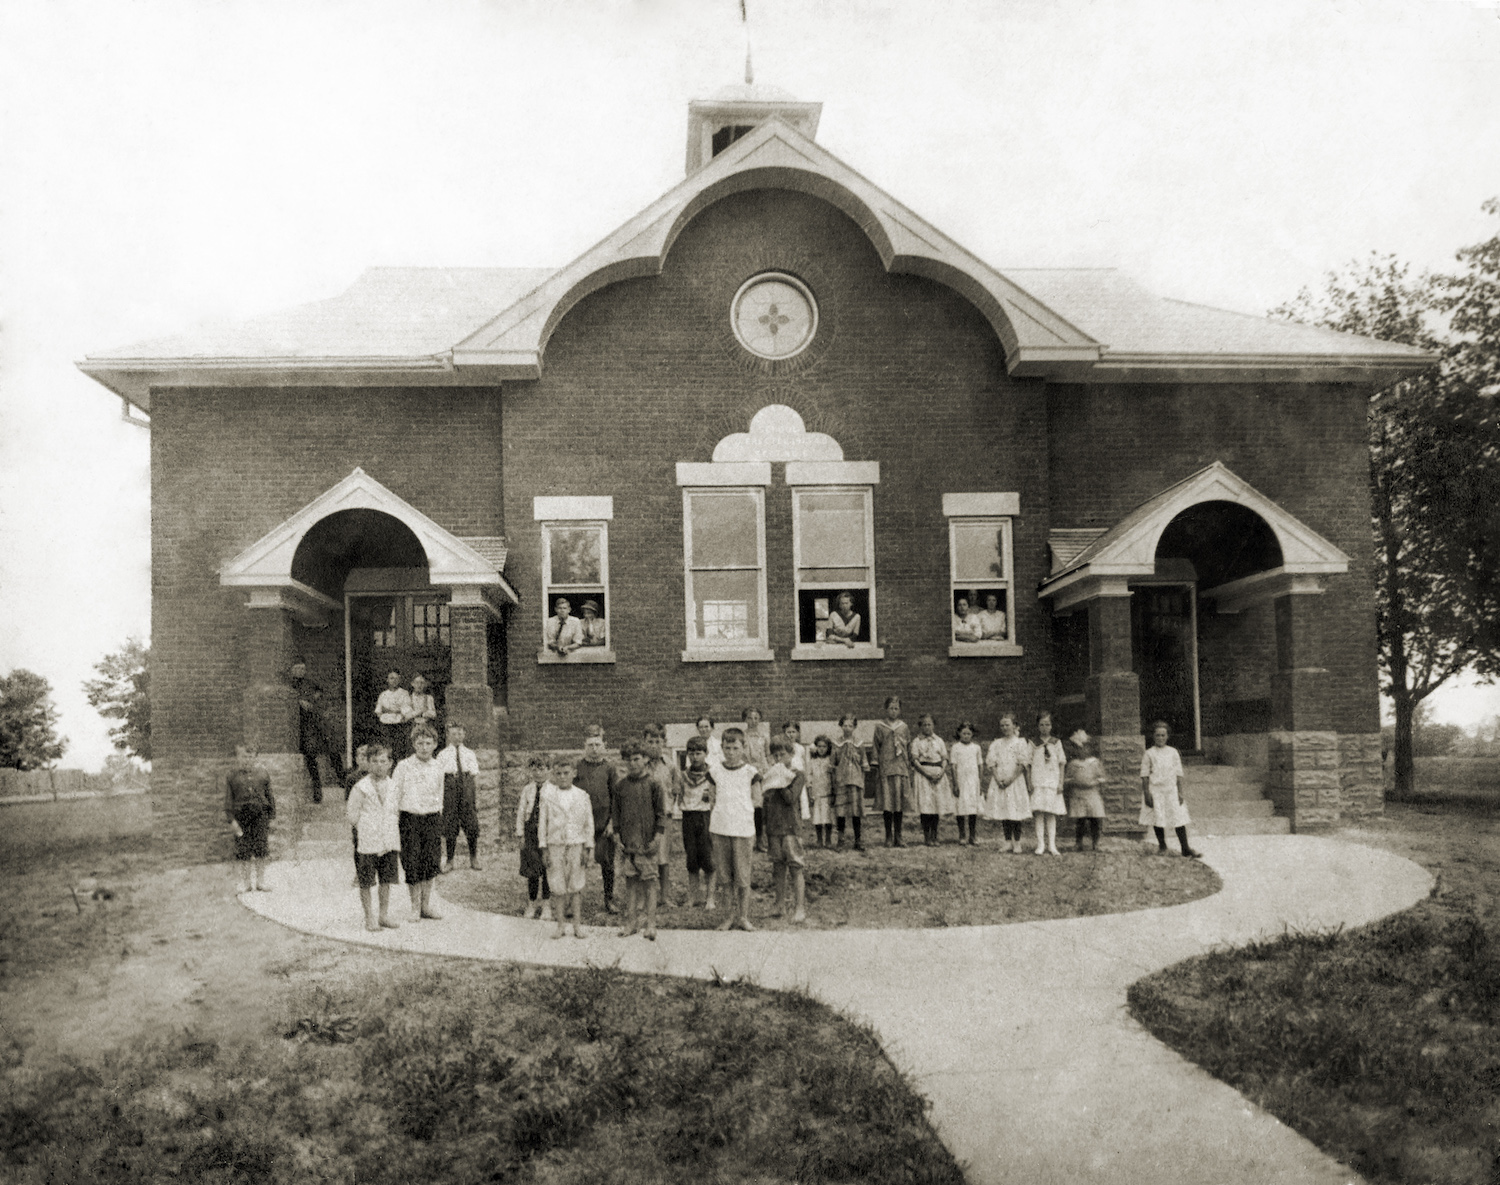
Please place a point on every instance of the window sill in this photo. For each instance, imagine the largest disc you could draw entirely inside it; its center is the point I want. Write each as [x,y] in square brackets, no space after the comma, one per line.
[823,652]
[985,650]
[728,654]
[585,654]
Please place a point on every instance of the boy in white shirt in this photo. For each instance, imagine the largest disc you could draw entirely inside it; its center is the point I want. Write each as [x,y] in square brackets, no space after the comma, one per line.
[394,711]
[565,833]
[373,810]
[460,766]
[731,822]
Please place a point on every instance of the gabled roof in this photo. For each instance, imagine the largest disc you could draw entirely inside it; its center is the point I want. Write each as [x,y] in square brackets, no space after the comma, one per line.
[477,326]
[1129,547]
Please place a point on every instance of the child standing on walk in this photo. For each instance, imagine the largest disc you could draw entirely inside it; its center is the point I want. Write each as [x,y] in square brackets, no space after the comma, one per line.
[1009,799]
[964,761]
[820,789]
[638,815]
[732,824]
[755,753]
[597,775]
[1084,777]
[1161,789]
[528,831]
[664,770]
[1044,776]
[929,759]
[460,766]
[698,793]
[783,797]
[250,807]
[419,788]
[564,831]
[892,746]
[372,811]
[850,765]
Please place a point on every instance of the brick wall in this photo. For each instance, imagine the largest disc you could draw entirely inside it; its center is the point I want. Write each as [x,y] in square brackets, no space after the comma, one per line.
[228,466]
[646,373]
[1302,446]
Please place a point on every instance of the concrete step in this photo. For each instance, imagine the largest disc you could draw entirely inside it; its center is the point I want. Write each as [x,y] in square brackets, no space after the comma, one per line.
[1275,825]
[1223,775]
[1208,798]
[1259,808]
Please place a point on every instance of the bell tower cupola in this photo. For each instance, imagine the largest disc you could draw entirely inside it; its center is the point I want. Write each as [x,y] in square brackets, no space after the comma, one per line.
[714,124]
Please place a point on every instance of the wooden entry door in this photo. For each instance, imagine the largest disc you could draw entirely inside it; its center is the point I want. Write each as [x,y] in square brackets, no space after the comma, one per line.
[1164,646]
[406,632]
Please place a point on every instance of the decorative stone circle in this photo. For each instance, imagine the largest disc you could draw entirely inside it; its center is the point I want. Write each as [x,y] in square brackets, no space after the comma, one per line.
[774,315]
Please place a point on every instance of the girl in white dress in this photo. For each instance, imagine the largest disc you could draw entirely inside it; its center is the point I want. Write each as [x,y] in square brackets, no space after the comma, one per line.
[963,759]
[1161,790]
[1081,782]
[1008,798]
[1046,773]
[929,760]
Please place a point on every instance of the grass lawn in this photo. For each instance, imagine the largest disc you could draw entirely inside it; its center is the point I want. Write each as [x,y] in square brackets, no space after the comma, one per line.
[881,888]
[167,1033]
[1382,1044]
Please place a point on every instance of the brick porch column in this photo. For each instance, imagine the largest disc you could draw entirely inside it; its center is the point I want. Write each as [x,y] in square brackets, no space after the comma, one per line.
[1112,697]
[270,711]
[1303,748]
[469,700]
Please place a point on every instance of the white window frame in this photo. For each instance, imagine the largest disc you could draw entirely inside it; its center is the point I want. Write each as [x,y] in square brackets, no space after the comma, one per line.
[826,652]
[1006,524]
[756,649]
[576,593]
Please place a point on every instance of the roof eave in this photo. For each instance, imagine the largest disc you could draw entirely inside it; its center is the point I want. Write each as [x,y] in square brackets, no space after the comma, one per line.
[1121,366]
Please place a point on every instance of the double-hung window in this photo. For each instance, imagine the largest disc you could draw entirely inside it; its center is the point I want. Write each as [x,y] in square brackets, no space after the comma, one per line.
[833,557]
[981,604]
[725,551]
[575,625]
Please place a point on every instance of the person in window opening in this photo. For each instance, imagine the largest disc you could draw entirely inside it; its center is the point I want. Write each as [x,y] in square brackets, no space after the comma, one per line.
[592,626]
[312,733]
[966,627]
[991,619]
[394,711]
[844,622]
[564,632]
[423,706]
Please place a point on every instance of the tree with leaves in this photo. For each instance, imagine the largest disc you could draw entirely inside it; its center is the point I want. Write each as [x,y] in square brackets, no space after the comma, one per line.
[1434,471]
[28,722]
[123,692]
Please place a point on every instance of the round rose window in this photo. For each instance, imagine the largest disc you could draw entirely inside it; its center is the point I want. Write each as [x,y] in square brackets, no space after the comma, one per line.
[774,315]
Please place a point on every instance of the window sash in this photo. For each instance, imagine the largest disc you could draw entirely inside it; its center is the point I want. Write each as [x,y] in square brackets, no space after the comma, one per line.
[812,577]
[577,593]
[958,583]
[754,616]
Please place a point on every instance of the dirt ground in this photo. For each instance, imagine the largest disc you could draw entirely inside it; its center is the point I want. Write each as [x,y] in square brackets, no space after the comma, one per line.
[169,951]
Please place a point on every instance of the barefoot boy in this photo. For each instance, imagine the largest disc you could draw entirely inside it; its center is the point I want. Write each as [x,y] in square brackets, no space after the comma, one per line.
[597,775]
[732,824]
[372,810]
[638,815]
[249,806]
[664,769]
[783,799]
[565,833]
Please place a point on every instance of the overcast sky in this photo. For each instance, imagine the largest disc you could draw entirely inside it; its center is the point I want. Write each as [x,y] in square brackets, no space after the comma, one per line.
[171,161]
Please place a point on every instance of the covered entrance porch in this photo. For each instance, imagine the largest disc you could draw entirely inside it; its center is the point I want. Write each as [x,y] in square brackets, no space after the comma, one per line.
[1201,608]
[359,583]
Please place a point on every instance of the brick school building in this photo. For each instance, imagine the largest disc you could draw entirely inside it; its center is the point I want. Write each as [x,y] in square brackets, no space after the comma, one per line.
[779,442]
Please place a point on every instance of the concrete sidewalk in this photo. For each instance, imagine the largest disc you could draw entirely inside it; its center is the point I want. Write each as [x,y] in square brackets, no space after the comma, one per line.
[1018,1034]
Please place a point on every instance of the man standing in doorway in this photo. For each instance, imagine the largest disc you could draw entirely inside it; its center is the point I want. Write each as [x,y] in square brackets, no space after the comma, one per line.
[312,732]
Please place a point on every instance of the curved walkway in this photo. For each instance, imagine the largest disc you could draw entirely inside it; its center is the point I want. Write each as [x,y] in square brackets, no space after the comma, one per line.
[1018,1034]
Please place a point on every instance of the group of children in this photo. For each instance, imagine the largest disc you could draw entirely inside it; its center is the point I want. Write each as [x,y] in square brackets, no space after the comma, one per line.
[738,793]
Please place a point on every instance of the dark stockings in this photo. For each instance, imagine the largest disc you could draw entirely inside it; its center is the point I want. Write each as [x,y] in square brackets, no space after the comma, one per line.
[535,882]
